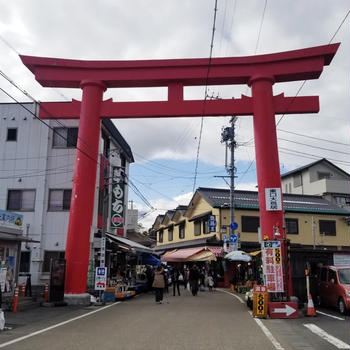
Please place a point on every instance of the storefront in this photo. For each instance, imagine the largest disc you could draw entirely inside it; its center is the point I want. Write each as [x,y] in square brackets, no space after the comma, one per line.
[127,263]
[11,237]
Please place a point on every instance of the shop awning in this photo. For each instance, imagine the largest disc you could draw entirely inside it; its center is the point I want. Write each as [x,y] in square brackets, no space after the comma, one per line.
[19,238]
[189,254]
[149,259]
[180,255]
[204,255]
[134,246]
[217,251]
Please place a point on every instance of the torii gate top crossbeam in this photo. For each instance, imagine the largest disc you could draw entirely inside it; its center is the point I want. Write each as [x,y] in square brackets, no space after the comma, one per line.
[284,66]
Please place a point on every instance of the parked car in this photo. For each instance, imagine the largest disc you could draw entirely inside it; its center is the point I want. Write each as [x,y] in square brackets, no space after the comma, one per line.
[333,287]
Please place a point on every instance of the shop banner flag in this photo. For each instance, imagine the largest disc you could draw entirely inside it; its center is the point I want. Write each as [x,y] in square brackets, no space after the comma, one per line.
[272,266]
[117,205]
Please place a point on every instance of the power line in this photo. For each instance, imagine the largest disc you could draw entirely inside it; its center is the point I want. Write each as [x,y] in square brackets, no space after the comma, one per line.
[49,126]
[302,85]
[305,144]
[315,138]
[260,28]
[205,96]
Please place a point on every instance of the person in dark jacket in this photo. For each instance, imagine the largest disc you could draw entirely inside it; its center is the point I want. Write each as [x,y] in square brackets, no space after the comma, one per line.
[159,284]
[194,277]
[175,280]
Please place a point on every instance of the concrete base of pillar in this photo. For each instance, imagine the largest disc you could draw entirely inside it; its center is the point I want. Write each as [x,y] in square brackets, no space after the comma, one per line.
[78,299]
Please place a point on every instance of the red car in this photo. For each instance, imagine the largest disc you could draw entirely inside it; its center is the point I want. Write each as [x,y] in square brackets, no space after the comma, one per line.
[334,287]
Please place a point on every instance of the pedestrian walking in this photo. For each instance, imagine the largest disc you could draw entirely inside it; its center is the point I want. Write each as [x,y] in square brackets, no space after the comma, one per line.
[186,276]
[210,283]
[194,279]
[175,277]
[159,284]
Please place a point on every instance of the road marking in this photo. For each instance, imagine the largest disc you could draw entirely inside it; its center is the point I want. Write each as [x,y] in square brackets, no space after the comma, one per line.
[324,335]
[55,326]
[268,334]
[236,296]
[336,317]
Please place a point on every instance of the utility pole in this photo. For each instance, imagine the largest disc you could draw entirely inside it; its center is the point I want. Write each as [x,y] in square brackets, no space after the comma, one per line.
[228,136]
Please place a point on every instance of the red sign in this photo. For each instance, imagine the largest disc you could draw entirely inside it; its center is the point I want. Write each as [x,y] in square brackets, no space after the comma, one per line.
[259,289]
[283,310]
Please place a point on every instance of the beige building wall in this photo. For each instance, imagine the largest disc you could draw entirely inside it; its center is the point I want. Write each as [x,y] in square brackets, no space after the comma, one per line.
[306,236]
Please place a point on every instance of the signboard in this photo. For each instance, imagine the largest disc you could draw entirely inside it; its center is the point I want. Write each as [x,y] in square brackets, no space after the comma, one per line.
[260,301]
[100,278]
[233,226]
[11,220]
[233,238]
[103,251]
[212,223]
[117,205]
[233,246]
[273,199]
[283,309]
[224,248]
[272,266]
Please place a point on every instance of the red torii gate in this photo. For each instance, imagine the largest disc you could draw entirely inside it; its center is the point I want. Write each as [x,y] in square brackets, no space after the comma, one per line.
[94,77]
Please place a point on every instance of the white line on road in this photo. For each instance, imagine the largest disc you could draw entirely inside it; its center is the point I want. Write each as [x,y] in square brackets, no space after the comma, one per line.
[269,336]
[324,335]
[236,296]
[336,317]
[55,326]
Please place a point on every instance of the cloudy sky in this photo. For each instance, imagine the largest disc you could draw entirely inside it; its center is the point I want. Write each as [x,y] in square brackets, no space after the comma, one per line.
[165,150]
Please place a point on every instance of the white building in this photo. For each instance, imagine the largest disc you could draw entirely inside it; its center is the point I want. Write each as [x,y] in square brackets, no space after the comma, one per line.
[36,173]
[321,178]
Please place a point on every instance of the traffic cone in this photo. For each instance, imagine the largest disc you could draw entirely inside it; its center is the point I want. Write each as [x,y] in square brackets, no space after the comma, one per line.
[15,300]
[310,307]
[46,293]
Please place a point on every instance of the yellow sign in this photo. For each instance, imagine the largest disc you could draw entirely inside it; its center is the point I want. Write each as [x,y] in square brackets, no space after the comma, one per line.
[278,260]
[260,302]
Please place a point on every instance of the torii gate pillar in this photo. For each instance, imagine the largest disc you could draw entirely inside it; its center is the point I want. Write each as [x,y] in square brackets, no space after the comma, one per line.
[266,151]
[83,190]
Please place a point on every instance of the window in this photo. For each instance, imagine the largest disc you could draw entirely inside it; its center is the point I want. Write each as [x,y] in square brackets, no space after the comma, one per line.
[161,236]
[250,223]
[59,199]
[170,233]
[327,227]
[323,175]
[11,134]
[21,200]
[206,225]
[182,231]
[50,255]
[292,226]
[65,137]
[197,228]
[286,188]
[297,180]
[332,275]
[290,187]
[24,265]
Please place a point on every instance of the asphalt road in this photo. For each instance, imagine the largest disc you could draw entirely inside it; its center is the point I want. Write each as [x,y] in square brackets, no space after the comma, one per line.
[216,320]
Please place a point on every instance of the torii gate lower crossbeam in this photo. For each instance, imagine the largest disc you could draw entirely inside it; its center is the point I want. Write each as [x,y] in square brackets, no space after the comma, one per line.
[93,77]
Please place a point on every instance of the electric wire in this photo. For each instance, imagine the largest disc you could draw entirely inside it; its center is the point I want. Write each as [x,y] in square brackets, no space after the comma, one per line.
[205,97]
[302,85]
